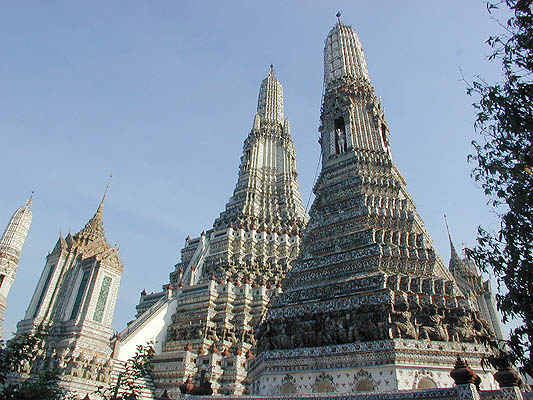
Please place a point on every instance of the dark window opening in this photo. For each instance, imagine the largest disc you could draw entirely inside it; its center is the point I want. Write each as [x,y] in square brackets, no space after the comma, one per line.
[79,296]
[2,279]
[247,160]
[43,291]
[340,135]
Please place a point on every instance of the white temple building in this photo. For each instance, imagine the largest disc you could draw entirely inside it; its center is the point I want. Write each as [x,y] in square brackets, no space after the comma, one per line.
[75,300]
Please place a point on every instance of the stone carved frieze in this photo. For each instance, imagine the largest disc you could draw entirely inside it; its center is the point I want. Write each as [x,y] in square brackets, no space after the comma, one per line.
[406,317]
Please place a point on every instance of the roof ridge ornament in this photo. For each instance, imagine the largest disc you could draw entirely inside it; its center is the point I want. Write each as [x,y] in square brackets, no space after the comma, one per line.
[271,72]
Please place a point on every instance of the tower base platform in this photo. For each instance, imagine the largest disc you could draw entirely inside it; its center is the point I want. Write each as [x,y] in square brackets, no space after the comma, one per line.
[378,366]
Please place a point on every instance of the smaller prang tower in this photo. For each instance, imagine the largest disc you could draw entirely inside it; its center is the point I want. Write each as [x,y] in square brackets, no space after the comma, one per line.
[75,300]
[477,290]
[368,305]
[10,248]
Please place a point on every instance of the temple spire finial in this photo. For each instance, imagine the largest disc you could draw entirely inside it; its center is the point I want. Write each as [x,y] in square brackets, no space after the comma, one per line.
[338,15]
[343,56]
[101,206]
[270,101]
[30,200]
[454,257]
[447,227]
[95,227]
[449,235]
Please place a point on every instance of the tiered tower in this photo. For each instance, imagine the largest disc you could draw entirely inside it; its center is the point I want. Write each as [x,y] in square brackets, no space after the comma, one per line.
[258,233]
[204,319]
[10,248]
[368,305]
[75,299]
[477,290]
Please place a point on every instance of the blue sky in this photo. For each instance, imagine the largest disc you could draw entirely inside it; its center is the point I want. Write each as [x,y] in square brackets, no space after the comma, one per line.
[163,94]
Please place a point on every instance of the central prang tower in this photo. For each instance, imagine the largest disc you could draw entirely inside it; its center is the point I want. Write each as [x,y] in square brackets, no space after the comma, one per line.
[368,305]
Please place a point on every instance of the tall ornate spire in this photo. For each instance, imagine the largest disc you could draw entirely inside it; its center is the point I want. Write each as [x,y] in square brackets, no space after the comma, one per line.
[267,194]
[343,56]
[270,102]
[352,116]
[11,244]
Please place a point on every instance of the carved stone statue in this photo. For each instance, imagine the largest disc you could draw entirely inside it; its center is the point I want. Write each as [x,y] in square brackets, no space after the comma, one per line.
[461,326]
[342,328]
[353,329]
[401,323]
[340,141]
[431,324]
[480,325]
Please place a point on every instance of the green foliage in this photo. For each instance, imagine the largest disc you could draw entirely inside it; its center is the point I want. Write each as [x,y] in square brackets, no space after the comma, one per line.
[14,354]
[127,383]
[504,168]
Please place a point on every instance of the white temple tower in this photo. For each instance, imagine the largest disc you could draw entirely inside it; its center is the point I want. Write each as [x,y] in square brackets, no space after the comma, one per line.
[368,305]
[75,299]
[11,245]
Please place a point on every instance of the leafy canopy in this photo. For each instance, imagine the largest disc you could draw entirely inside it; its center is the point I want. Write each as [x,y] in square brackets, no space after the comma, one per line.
[504,168]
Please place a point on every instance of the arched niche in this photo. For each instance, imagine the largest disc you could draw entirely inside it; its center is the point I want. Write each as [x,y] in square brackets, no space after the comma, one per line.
[426,383]
[324,387]
[288,388]
[365,385]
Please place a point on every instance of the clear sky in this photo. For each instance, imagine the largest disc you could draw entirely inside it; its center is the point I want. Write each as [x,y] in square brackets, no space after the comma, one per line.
[162,94]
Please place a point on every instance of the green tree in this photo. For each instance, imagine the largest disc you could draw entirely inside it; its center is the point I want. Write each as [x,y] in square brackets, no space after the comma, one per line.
[14,382]
[504,164]
[128,380]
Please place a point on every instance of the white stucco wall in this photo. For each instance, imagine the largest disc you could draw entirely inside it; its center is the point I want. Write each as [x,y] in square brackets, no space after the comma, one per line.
[153,328]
